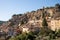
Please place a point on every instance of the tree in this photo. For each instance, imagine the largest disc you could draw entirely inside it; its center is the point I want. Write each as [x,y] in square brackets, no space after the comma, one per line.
[43,15]
[44,29]
[30,36]
[57,5]
[22,22]
[24,36]
[19,37]
[14,15]
[44,22]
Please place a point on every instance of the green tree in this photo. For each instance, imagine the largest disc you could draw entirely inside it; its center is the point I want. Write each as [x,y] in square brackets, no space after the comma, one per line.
[30,36]
[57,5]
[19,37]
[24,36]
[22,22]
[44,22]
[43,15]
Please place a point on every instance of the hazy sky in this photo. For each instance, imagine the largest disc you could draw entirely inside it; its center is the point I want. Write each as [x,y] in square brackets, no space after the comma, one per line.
[10,7]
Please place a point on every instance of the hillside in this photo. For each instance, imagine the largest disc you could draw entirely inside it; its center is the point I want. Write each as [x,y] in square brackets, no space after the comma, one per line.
[1,22]
[52,12]
[30,21]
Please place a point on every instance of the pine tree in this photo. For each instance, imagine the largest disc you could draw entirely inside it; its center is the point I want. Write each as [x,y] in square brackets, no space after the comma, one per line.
[44,22]
[43,15]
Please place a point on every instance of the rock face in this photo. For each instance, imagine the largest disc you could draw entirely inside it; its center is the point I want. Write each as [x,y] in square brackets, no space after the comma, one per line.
[32,19]
[52,12]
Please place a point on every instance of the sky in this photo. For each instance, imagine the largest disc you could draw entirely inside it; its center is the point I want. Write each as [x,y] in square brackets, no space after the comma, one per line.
[10,7]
